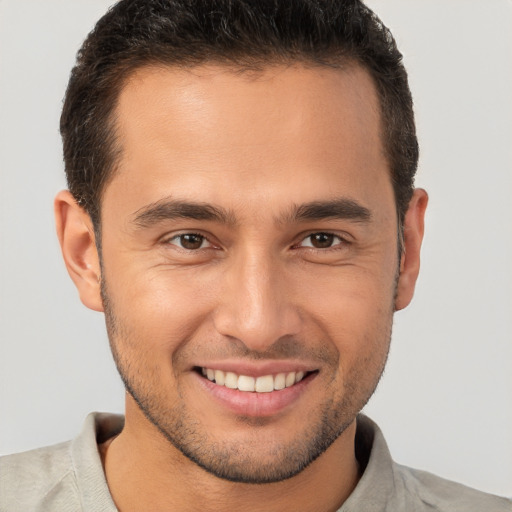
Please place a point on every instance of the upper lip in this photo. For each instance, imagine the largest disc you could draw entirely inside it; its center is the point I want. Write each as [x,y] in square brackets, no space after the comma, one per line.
[258,368]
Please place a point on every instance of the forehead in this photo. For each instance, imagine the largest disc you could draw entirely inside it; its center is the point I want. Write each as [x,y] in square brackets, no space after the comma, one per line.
[294,131]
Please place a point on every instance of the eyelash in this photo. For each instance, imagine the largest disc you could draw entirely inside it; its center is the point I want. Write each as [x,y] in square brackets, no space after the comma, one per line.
[341,241]
[180,235]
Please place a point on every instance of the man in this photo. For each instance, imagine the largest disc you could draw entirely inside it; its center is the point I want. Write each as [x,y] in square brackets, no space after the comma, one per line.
[242,209]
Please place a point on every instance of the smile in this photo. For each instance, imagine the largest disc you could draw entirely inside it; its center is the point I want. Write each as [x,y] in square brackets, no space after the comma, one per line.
[263,390]
[262,384]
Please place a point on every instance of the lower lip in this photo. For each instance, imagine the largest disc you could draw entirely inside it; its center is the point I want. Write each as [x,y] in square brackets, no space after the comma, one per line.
[245,403]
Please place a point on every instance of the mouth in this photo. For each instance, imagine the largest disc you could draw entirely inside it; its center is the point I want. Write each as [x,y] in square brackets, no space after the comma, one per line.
[250,384]
[258,391]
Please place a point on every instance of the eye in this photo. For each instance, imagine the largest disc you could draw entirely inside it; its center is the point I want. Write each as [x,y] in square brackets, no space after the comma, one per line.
[190,241]
[321,241]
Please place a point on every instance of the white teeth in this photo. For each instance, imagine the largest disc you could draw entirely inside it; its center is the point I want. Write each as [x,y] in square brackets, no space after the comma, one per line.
[280,381]
[246,383]
[262,384]
[290,379]
[231,380]
[219,377]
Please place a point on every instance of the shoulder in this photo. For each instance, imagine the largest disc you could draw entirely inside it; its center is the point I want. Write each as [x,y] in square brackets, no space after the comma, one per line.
[439,494]
[29,480]
[391,487]
[67,477]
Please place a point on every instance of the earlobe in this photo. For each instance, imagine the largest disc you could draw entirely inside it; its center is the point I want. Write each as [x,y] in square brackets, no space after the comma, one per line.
[77,241]
[412,238]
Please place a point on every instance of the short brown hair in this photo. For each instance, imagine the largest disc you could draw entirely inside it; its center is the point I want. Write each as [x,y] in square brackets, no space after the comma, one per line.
[242,33]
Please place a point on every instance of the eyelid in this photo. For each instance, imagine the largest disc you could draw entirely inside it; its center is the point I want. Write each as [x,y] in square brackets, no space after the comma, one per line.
[344,239]
[168,239]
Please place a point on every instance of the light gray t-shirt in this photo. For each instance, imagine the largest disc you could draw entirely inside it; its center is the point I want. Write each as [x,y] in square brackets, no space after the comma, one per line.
[69,477]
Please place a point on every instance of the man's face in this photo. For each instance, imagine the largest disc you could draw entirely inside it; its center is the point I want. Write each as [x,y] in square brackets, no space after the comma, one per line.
[249,233]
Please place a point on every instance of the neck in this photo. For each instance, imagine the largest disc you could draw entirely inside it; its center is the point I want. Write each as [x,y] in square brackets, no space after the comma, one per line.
[145,472]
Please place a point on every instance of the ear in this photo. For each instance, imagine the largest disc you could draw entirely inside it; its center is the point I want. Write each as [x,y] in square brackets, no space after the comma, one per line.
[410,259]
[78,245]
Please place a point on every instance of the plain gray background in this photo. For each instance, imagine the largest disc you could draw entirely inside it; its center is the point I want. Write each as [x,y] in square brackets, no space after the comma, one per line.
[445,400]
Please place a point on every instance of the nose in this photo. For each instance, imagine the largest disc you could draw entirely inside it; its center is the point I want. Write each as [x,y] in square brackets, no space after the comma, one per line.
[257,306]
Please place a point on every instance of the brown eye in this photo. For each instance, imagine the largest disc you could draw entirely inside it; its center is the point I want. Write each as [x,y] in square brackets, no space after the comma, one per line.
[189,241]
[321,240]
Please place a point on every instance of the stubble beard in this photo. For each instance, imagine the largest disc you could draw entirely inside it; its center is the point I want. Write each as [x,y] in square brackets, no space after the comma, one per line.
[239,462]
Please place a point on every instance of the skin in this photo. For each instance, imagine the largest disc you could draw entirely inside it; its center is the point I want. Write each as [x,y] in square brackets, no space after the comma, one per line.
[257,147]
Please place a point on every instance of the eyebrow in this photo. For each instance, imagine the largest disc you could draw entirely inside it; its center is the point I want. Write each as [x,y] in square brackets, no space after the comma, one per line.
[341,208]
[170,209]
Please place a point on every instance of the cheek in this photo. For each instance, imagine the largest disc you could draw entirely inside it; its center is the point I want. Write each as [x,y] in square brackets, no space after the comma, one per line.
[157,311]
[351,296]
[354,309]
